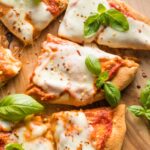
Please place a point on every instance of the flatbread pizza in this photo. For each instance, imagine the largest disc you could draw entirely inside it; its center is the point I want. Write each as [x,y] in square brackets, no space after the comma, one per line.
[136,37]
[93,129]
[27,18]
[61,76]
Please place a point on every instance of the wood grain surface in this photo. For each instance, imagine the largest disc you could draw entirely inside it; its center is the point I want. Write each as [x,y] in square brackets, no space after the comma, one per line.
[138,129]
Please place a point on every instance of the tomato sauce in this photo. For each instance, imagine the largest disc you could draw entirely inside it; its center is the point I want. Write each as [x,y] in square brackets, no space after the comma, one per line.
[114,69]
[3,140]
[101,121]
[122,9]
[53,6]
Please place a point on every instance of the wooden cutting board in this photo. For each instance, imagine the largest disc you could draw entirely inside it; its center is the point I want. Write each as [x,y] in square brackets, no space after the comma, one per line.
[138,130]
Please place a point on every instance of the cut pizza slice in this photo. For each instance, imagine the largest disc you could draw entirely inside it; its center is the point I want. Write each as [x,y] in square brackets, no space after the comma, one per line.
[9,66]
[27,18]
[94,129]
[72,26]
[62,77]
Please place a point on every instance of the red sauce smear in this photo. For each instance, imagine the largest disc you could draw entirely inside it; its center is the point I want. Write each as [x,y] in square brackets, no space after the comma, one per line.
[53,7]
[114,69]
[51,38]
[122,9]
[100,118]
[3,140]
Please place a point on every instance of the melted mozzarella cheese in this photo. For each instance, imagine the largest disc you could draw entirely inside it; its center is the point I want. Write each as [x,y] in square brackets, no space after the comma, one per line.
[37,130]
[9,66]
[12,63]
[75,139]
[137,36]
[31,137]
[40,16]
[38,144]
[62,68]
[72,26]
[24,16]
[5,125]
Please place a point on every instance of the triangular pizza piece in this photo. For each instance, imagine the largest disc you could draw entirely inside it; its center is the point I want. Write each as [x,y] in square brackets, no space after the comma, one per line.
[62,77]
[9,65]
[27,18]
[137,37]
[93,129]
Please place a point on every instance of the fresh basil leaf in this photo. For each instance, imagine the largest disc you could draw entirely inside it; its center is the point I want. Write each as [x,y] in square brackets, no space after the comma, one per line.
[104,19]
[137,110]
[16,107]
[93,65]
[13,146]
[36,2]
[117,20]
[91,25]
[101,8]
[147,114]
[112,94]
[148,83]
[145,96]
[101,79]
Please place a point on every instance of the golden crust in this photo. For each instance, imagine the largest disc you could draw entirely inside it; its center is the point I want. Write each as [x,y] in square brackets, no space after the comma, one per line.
[124,7]
[62,4]
[116,138]
[113,142]
[9,66]
[122,79]
[125,76]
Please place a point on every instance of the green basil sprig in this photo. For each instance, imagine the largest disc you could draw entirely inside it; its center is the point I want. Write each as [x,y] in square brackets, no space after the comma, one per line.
[13,146]
[112,93]
[112,17]
[143,110]
[16,107]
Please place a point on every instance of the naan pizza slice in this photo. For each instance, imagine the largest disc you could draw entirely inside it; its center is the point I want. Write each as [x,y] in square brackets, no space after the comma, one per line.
[136,37]
[93,129]
[27,18]
[61,75]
